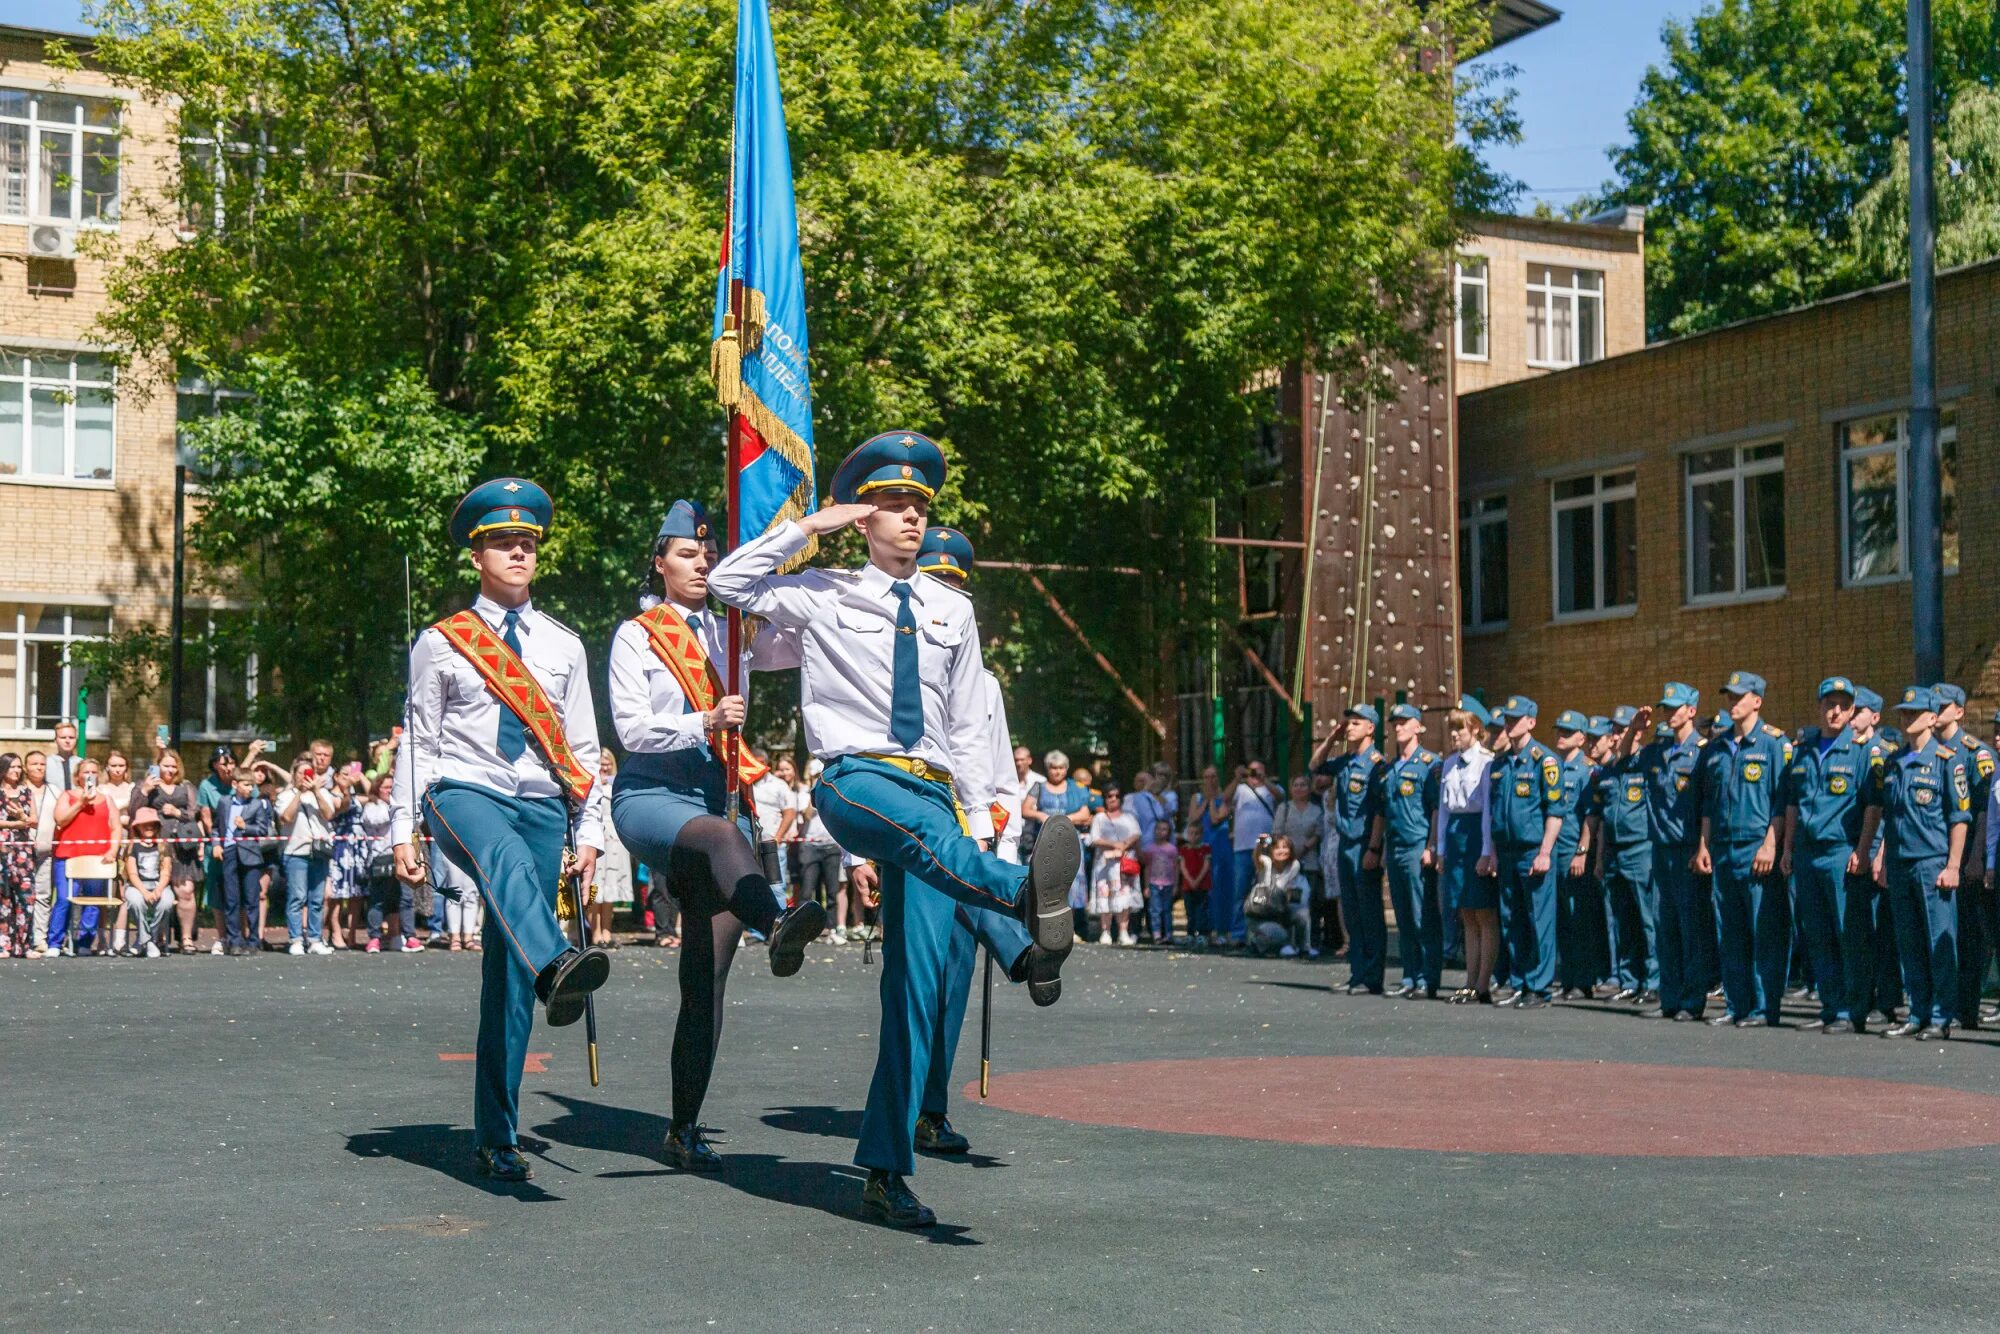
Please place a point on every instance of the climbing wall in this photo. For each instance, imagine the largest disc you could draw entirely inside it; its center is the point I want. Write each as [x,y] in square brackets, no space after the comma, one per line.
[1382,607]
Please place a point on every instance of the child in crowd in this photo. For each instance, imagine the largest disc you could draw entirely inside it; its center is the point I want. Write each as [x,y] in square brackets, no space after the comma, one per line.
[1196,880]
[148,898]
[1160,860]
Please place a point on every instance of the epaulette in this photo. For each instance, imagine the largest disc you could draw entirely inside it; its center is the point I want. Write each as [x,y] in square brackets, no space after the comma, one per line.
[559,625]
[1777,732]
[1945,752]
[1424,755]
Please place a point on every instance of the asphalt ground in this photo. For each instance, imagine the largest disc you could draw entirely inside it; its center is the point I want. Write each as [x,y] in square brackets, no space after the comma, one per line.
[284,1143]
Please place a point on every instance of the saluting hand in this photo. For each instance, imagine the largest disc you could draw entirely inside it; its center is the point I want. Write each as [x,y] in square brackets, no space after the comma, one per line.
[834,518]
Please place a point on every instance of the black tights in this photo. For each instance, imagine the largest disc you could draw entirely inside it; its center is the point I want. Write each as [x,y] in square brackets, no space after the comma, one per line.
[722,888]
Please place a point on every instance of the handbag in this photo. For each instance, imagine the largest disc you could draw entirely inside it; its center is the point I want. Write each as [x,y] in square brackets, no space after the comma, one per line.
[1128,865]
[1267,903]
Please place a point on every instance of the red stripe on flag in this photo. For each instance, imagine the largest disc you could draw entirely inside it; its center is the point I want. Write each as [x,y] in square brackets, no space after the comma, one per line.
[752,445]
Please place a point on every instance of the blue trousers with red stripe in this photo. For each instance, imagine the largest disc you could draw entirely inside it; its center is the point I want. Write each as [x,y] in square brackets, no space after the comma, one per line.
[512,848]
[932,871]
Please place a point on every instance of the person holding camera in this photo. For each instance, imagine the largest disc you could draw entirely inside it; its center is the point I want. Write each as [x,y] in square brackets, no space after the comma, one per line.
[85,828]
[305,819]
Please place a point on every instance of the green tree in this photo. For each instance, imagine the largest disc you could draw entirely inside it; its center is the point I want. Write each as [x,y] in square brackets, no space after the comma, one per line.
[1755,138]
[1967,154]
[1061,238]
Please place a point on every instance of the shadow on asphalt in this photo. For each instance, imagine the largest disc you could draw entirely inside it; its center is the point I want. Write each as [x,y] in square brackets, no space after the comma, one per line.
[447,1150]
[842,1123]
[833,1189]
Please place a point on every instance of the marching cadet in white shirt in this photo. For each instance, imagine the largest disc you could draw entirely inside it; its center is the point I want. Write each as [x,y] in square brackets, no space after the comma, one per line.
[892,695]
[498,761]
[668,803]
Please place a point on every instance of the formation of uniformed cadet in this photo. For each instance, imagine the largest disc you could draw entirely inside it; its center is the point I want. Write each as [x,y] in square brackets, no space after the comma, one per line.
[498,760]
[1682,857]
[893,703]
[1351,805]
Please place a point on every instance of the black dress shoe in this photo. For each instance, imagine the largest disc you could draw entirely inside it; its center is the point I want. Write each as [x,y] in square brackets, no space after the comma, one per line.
[1430,993]
[1529,1000]
[1042,970]
[1935,1033]
[1909,1028]
[686,1147]
[1482,998]
[1838,1026]
[504,1163]
[935,1135]
[1504,995]
[563,985]
[795,929]
[887,1198]
[1044,902]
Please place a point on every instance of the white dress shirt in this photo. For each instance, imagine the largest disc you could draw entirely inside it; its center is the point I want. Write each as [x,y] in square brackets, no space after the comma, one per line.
[1462,791]
[846,621]
[649,710]
[995,769]
[454,721]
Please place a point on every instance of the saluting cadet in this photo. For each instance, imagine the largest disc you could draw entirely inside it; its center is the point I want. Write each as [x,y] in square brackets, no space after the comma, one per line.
[1625,859]
[1461,838]
[1869,930]
[1823,785]
[946,555]
[498,760]
[1673,821]
[1578,951]
[1742,813]
[1351,806]
[1924,802]
[1401,831]
[1976,927]
[1525,795]
[892,695]
[669,801]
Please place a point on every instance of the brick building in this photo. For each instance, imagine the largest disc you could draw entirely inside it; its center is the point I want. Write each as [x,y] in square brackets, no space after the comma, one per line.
[87,450]
[1731,499]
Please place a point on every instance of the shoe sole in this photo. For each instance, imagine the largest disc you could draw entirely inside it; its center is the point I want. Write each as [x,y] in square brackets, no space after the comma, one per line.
[1044,977]
[802,926]
[1051,871]
[880,1212]
[572,990]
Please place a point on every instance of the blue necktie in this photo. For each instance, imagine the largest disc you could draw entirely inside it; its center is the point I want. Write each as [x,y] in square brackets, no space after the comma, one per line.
[513,736]
[906,701]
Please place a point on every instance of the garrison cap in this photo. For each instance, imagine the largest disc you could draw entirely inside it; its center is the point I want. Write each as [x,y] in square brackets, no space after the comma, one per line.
[503,505]
[1569,720]
[1470,704]
[1623,715]
[1864,698]
[1518,706]
[1743,683]
[1678,694]
[1918,699]
[892,461]
[1599,725]
[946,551]
[1838,685]
[1365,712]
[686,519]
[1949,694]
[1406,711]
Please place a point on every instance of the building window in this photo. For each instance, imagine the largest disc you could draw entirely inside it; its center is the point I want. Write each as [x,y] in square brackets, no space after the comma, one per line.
[57,416]
[1472,308]
[38,682]
[58,157]
[1875,499]
[1482,562]
[1736,521]
[1565,315]
[1596,546]
[223,674]
[197,399]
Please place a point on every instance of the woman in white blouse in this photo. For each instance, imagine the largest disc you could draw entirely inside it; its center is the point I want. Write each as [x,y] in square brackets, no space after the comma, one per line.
[1460,838]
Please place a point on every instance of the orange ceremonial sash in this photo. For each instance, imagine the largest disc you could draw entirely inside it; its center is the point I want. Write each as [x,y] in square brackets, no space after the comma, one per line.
[680,649]
[517,689]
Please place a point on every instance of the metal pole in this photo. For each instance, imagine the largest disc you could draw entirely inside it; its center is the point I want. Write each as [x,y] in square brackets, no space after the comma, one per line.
[1926,537]
[732,740]
[180,609]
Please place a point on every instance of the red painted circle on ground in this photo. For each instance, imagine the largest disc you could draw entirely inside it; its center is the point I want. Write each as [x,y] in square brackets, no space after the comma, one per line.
[1484,1105]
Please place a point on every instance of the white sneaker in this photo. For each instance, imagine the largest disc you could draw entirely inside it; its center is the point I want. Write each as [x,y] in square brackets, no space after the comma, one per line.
[117,942]
[1128,939]
[1107,939]
[215,948]
[320,947]
[1289,952]
[838,935]
[297,946]
[152,950]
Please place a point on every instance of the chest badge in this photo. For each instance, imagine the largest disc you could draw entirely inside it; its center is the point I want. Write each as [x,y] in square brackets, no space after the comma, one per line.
[1524,788]
[1923,796]
[1753,772]
[1680,782]
[1837,785]
[1356,786]
[1407,788]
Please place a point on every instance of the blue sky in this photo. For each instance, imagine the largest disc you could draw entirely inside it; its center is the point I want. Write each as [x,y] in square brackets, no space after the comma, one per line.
[1576,82]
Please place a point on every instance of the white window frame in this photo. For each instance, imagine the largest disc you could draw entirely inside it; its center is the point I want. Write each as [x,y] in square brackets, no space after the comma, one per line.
[16,632]
[1575,294]
[209,731]
[1900,446]
[1599,499]
[1473,524]
[1482,279]
[76,130]
[1741,468]
[68,384]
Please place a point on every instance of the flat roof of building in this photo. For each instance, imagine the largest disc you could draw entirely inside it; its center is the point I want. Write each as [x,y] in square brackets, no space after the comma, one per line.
[19,33]
[1518,18]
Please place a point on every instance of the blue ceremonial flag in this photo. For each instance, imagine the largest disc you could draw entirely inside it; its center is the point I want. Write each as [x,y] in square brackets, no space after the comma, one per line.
[758,356]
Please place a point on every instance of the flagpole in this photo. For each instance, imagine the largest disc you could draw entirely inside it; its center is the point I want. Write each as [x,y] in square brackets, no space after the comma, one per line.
[732,740]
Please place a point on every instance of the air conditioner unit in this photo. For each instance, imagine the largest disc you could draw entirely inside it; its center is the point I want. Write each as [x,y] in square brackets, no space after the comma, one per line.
[52,240]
